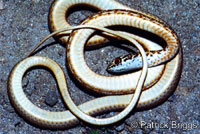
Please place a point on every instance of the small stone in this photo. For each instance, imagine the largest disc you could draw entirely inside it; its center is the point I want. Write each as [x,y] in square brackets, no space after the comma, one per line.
[1,5]
[17,122]
[120,128]
[25,83]
[9,108]
[2,59]
[51,98]
[12,132]
[111,131]
[36,1]
[3,132]
[124,132]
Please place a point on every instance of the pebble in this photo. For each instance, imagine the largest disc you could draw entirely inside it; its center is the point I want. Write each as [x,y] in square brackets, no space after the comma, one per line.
[1,4]
[51,98]
[36,1]
[17,123]
[110,131]
[120,128]
[124,132]
[3,133]
[25,83]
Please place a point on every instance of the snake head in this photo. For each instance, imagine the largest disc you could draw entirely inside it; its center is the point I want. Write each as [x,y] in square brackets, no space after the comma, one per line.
[114,65]
[124,64]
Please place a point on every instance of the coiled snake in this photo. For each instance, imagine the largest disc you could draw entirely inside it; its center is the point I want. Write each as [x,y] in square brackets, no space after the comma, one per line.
[160,81]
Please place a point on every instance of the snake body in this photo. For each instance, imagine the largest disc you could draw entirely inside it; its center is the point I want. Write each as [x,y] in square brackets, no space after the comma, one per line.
[167,76]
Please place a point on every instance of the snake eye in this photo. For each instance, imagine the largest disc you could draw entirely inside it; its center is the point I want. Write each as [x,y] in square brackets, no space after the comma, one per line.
[117,61]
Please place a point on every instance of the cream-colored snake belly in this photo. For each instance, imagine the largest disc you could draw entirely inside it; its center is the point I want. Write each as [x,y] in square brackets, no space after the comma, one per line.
[166,75]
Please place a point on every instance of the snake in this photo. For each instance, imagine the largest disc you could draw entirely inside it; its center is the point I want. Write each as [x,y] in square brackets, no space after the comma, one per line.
[166,75]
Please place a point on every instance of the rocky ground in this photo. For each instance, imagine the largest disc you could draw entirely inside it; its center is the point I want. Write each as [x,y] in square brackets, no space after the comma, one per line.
[24,23]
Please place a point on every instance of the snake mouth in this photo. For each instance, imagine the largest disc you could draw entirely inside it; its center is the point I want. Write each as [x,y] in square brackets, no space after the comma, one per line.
[116,70]
[109,69]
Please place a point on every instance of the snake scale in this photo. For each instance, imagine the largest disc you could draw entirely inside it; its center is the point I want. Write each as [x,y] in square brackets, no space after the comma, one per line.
[160,81]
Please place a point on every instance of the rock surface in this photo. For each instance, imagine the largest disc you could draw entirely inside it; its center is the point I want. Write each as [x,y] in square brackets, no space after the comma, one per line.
[24,23]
